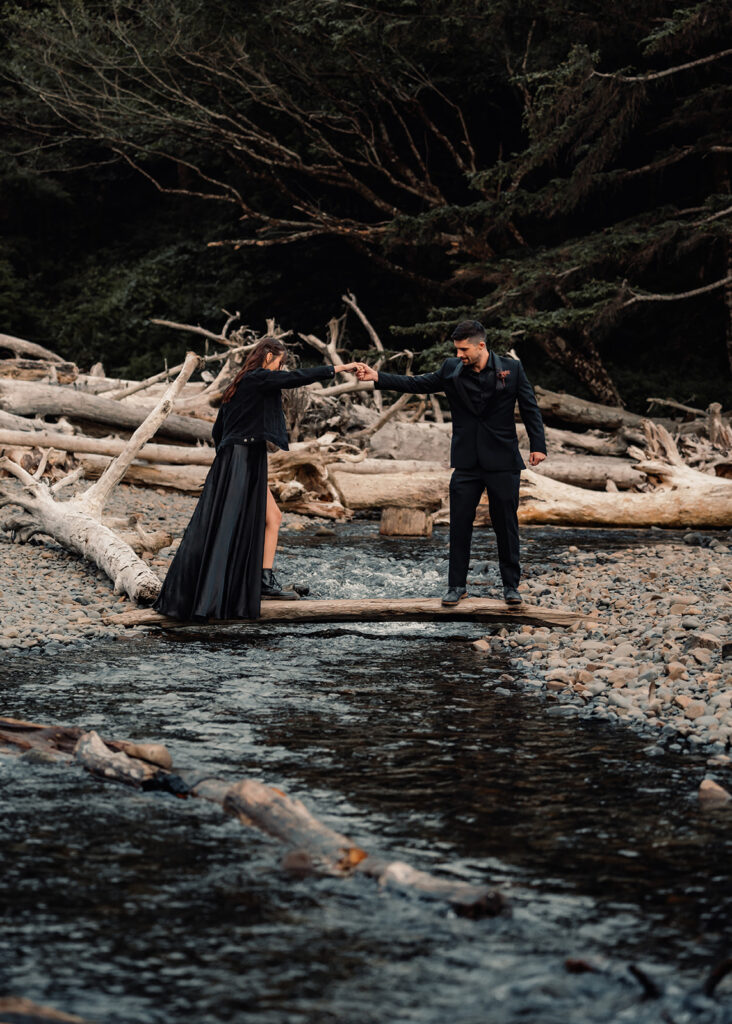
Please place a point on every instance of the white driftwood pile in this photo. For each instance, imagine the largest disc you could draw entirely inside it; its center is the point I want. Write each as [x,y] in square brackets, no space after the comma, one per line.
[607,466]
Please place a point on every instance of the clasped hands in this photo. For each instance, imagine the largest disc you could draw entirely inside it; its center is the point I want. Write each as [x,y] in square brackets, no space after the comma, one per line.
[362,370]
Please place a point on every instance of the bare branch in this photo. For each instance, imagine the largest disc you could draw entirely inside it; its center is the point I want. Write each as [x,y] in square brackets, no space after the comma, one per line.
[654,75]
[679,295]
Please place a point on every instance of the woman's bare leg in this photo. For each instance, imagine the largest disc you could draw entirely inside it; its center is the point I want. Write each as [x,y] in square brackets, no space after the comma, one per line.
[272,522]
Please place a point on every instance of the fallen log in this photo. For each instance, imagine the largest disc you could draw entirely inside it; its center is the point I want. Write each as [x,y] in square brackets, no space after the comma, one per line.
[28,399]
[179,455]
[703,503]
[21,347]
[39,369]
[417,609]
[405,522]
[10,422]
[392,490]
[313,848]
[591,471]
[585,413]
[377,467]
[179,478]
[76,524]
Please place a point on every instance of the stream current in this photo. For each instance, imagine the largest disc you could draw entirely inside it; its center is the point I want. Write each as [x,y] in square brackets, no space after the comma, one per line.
[128,907]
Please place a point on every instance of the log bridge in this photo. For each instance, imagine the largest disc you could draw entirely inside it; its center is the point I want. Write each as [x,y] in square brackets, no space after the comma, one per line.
[312,847]
[470,609]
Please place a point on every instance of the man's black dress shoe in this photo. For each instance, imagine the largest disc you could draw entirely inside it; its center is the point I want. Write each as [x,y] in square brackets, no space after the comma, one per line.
[272,590]
[512,596]
[454,595]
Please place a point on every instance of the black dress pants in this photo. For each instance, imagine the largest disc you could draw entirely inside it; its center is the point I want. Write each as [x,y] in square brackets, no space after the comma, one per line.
[466,488]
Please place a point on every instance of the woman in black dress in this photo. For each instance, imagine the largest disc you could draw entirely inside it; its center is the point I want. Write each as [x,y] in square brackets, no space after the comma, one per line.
[223,566]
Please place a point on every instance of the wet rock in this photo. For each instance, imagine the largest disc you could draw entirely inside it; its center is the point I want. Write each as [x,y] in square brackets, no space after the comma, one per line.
[711,794]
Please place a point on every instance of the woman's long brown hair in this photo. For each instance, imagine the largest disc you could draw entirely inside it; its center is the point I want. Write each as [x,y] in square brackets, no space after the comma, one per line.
[253,361]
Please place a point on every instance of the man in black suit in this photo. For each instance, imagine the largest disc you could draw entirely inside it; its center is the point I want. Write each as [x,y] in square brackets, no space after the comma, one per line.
[482,389]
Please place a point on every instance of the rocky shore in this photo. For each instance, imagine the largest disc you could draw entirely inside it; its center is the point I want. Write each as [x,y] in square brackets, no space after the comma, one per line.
[657,655]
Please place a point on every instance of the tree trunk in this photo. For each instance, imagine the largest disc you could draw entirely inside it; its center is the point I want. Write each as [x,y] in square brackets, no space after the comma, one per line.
[111,446]
[26,399]
[21,347]
[178,478]
[591,471]
[405,522]
[472,609]
[697,501]
[392,490]
[39,369]
[585,364]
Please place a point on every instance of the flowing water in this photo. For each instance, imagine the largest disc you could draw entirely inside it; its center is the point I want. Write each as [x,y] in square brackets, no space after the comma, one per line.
[138,907]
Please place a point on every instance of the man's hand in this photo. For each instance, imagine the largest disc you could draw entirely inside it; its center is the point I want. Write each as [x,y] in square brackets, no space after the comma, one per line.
[536,457]
[364,372]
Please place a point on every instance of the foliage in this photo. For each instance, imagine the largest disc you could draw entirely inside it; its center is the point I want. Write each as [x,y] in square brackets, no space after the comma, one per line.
[535,165]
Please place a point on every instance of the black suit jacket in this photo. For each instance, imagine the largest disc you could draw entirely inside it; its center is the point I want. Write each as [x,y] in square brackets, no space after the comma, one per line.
[255,412]
[481,439]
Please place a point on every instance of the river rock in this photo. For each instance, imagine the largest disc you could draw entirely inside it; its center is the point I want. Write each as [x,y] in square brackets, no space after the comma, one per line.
[711,794]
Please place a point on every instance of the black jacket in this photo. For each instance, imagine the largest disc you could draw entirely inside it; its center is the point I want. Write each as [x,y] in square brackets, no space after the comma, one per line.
[255,411]
[487,439]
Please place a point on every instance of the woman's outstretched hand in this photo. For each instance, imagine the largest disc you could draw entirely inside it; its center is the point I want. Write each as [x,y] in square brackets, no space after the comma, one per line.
[346,367]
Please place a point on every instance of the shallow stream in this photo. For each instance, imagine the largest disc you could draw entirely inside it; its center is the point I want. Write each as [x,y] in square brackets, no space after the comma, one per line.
[127,907]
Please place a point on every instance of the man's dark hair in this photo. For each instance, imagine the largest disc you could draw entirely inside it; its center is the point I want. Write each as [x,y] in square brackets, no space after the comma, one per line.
[468,329]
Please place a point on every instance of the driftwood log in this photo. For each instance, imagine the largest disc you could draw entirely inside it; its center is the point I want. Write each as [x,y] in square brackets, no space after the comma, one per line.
[312,847]
[180,478]
[24,398]
[77,523]
[199,455]
[424,609]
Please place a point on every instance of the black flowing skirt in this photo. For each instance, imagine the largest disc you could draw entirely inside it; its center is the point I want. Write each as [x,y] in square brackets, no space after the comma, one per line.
[217,570]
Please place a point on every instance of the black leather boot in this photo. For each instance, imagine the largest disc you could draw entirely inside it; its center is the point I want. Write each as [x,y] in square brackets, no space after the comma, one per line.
[512,596]
[272,591]
[453,595]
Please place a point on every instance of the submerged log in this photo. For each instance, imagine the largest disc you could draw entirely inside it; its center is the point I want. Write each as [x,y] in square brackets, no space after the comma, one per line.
[313,848]
[415,609]
[22,1011]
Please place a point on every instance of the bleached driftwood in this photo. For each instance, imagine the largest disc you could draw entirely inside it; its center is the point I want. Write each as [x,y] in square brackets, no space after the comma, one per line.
[392,490]
[169,454]
[29,349]
[24,398]
[77,523]
[178,478]
[39,369]
[378,609]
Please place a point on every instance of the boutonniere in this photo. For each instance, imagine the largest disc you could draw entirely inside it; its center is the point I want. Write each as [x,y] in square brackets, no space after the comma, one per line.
[502,374]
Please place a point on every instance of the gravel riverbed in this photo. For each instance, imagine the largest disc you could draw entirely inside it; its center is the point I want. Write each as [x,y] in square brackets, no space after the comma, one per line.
[658,655]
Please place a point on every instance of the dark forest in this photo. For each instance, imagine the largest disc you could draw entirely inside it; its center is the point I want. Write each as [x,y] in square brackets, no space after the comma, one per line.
[560,171]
